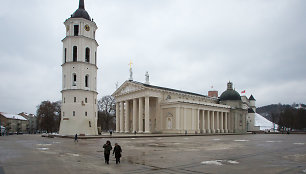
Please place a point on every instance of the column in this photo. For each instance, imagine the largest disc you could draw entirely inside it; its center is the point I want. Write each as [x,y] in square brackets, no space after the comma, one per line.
[208,122]
[203,123]
[147,115]
[185,119]
[117,117]
[134,115]
[213,122]
[158,116]
[198,121]
[121,117]
[225,122]
[217,122]
[193,120]
[177,117]
[140,115]
[221,123]
[127,115]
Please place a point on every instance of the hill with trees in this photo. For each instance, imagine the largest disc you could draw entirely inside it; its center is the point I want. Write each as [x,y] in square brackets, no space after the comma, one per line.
[286,116]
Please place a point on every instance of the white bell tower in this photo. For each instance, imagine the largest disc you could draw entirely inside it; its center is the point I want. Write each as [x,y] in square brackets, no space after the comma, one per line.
[79,75]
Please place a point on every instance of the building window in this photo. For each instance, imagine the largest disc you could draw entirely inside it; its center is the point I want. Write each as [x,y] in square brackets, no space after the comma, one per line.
[64,100]
[86,80]
[74,80]
[89,124]
[76,30]
[65,55]
[86,114]
[75,53]
[74,99]
[86,100]
[63,114]
[73,113]
[87,54]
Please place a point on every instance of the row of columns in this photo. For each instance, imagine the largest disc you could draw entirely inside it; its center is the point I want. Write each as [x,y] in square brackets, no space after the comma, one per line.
[213,121]
[141,111]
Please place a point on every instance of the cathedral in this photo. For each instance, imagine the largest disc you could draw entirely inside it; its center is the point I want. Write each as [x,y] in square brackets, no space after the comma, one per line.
[79,75]
[146,108]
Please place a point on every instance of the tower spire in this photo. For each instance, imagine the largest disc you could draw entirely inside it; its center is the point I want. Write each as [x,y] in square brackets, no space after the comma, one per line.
[81,4]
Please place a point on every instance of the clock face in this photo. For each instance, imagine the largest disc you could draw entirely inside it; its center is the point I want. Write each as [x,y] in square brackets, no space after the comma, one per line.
[87,28]
[67,28]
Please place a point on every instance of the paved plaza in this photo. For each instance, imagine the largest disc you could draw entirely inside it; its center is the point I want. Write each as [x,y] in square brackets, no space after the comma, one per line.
[259,153]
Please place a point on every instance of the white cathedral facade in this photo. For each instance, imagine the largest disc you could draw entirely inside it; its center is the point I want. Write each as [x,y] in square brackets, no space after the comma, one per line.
[79,75]
[145,108]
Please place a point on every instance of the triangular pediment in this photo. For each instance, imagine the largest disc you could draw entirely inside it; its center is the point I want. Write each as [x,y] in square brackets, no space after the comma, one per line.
[127,87]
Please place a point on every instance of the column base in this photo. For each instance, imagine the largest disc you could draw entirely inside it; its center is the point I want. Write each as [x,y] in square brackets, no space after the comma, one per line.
[204,131]
[198,131]
[208,131]
[213,131]
[146,132]
[222,131]
[218,131]
[225,131]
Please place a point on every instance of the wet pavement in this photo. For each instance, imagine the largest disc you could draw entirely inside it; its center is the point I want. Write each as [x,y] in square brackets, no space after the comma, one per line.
[264,153]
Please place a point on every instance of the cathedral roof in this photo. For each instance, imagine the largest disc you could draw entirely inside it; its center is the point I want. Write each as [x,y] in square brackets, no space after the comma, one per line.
[168,89]
[81,12]
[230,94]
[251,98]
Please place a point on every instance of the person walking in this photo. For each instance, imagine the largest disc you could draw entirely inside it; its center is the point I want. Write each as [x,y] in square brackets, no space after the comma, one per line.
[76,138]
[117,151]
[107,148]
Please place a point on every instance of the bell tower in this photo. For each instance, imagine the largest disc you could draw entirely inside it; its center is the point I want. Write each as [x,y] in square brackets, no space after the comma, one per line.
[79,75]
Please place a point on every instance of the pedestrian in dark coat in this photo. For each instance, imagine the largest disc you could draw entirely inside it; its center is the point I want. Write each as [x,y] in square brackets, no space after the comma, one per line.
[76,138]
[107,148]
[117,151]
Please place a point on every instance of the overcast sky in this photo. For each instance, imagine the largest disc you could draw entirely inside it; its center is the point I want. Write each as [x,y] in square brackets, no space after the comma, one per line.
[188,45]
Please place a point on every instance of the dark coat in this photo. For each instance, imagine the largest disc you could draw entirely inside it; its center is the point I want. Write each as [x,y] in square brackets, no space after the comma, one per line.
[107,148]
[117,151]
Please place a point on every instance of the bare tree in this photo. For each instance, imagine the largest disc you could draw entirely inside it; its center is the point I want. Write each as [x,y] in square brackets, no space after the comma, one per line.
[49,116]
[106,112]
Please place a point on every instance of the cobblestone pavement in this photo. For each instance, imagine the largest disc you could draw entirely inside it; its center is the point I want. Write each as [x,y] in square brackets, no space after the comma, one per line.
[277,154]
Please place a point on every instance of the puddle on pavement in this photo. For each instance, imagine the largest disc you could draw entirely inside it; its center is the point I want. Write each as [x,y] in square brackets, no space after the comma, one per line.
[219,162]
[43,148]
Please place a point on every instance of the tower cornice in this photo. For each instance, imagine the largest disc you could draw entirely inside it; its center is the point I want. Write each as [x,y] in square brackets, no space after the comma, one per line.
[80,36]
[78,62]
[79,90]
[81,19]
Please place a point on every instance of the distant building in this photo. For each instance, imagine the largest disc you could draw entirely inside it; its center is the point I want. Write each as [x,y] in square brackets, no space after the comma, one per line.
[13,123]
[32,122]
